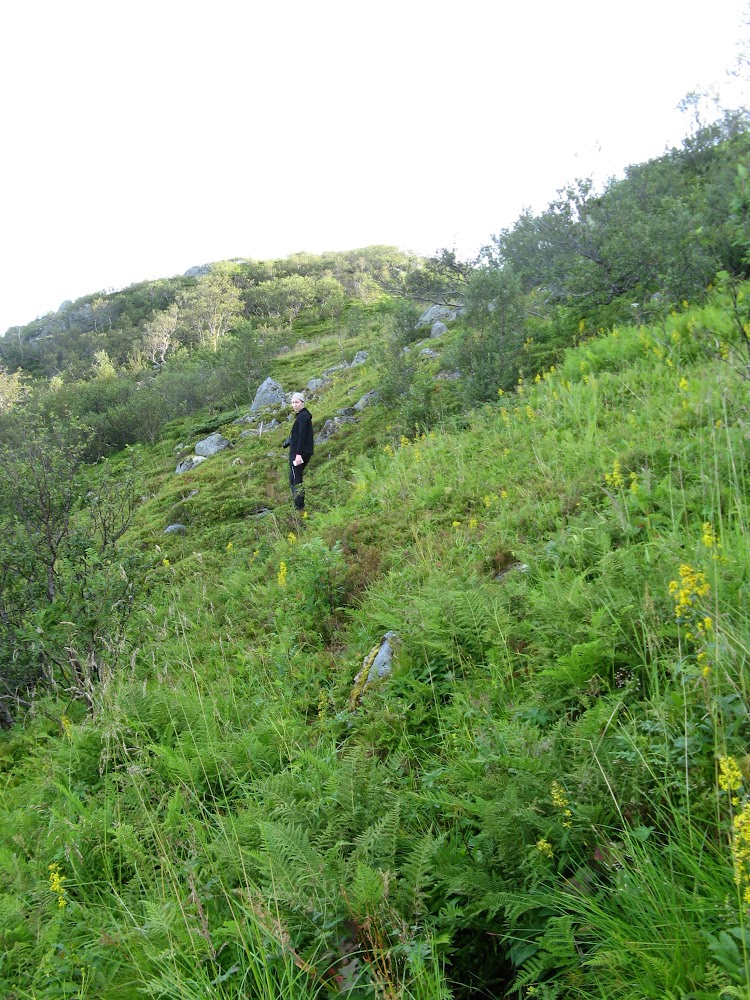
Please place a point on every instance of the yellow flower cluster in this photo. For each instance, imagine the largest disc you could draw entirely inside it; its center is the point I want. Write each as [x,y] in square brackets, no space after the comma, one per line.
[544,847]
[691,586]
[281,575]
[730,775]
[741,851]
[489,499]
[614,478]
[291,538]
[57,884]
[230,546]
[683,384]
[710,538]
[560,801]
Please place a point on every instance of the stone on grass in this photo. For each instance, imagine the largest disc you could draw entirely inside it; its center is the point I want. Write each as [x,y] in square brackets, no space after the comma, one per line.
[211,445]
[377,664]
[270,393]
[189,463]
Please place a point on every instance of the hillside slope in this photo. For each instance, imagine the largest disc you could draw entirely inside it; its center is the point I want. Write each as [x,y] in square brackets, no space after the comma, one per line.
[547,794]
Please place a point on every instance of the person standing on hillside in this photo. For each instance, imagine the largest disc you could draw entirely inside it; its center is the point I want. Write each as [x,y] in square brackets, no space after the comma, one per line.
[300,444]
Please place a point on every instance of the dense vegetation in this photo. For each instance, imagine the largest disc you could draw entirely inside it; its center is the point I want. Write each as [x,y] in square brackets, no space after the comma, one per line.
[550,794]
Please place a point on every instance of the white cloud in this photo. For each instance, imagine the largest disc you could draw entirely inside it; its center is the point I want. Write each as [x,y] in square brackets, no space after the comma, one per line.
[140,139]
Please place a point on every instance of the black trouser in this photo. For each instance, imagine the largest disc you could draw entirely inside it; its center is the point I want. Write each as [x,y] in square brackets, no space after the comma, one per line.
[295,484]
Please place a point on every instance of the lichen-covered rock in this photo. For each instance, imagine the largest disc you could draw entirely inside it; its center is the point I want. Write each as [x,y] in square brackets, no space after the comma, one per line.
[437,314]
[377,664]
[270,393]
[189,463]
[369,397]
[211,445]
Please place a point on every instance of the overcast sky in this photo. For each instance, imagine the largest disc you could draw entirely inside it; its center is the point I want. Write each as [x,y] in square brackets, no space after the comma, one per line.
[143,138]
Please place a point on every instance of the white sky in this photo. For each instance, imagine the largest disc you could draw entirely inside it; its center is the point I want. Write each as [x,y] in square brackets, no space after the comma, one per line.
[140,139]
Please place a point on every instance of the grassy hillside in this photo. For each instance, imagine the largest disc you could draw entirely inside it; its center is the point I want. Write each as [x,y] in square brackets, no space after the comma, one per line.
[549,794]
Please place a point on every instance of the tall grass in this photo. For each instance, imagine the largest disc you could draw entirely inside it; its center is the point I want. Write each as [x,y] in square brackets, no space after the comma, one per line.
[535,802]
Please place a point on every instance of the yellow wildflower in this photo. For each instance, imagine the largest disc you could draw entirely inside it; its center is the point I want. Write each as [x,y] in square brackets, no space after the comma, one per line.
[56,884]
[281,575]
[614,478]
[291,538]
[741,848]
[229,546]
[559,798]
[708,537]
[730,775]
[544,847]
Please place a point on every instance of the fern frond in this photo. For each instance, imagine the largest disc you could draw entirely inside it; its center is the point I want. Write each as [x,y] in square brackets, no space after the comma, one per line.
[417,873]
[377,844]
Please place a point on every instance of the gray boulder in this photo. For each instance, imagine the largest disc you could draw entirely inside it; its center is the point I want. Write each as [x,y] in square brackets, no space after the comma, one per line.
[369,397]
[189,463]
[329,428]
[377,664]
[435,314]
[316,383]
[438,329]
[270,393]
[359,359]
[211,445]
[427,353]
[175,529]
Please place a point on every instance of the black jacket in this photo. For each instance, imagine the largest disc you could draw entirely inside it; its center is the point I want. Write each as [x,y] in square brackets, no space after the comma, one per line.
[301,438]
